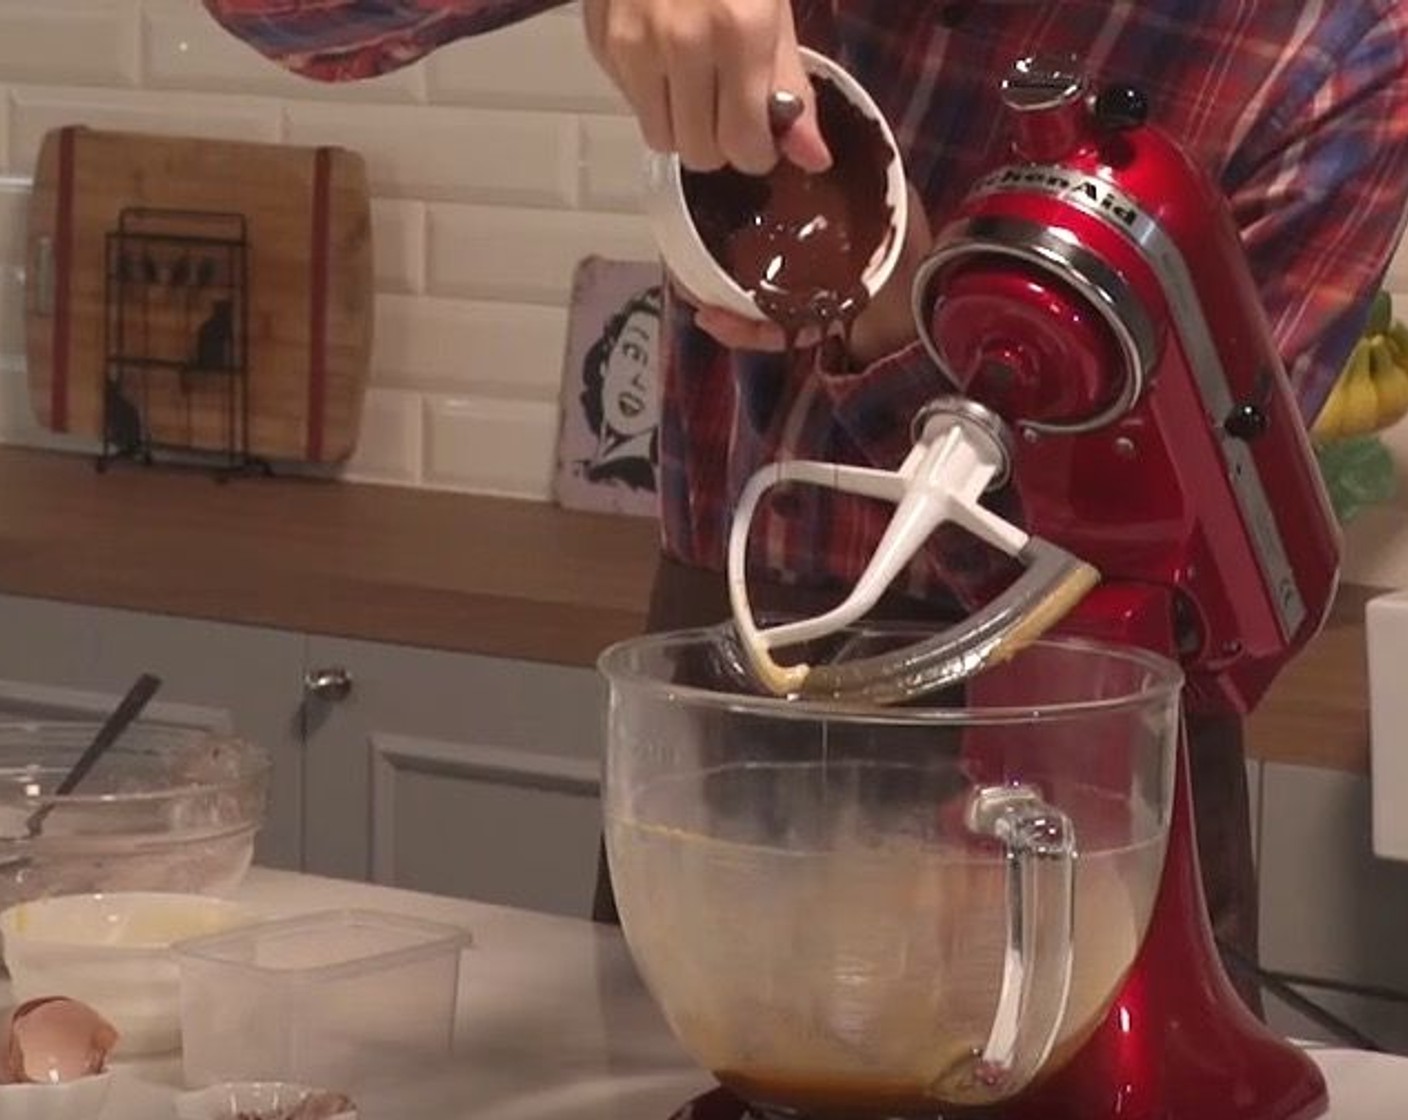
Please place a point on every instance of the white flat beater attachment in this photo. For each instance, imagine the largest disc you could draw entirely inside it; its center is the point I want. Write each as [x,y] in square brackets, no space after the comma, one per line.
[959,453]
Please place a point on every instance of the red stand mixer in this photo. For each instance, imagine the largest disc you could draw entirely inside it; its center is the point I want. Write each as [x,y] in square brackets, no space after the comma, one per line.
[1092,308]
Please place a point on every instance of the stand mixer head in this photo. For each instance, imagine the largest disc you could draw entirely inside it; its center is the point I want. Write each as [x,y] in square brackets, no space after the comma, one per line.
[1094,313]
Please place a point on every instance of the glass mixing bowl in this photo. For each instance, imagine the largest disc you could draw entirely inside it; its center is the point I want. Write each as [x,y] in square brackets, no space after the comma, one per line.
[165,809]
[884,912]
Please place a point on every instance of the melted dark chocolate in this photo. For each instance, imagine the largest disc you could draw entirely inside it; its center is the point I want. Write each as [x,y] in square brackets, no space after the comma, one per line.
[799,242]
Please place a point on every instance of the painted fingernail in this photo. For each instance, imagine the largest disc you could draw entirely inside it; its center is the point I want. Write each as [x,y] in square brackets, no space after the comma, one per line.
[784,108]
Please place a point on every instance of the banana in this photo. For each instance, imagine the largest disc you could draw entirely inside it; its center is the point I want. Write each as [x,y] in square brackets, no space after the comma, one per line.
[1371,392]
[1398,338]
[1329,421]
[1361,400]
[1390,376]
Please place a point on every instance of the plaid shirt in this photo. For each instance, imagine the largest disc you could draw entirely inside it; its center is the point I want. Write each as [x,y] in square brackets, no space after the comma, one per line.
[1299,110]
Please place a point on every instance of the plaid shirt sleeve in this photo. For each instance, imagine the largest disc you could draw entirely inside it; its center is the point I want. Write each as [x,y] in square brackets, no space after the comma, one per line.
[1321,206]
[342,40]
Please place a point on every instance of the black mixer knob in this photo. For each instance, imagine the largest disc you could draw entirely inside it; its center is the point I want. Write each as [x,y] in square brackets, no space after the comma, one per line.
[1246,422]
[1119,107]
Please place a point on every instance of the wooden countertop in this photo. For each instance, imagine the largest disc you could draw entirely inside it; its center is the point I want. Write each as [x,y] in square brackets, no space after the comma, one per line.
[417,567]
[451,571]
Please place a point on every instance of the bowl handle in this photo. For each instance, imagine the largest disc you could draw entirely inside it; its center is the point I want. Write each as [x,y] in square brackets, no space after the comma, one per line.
[1040,851]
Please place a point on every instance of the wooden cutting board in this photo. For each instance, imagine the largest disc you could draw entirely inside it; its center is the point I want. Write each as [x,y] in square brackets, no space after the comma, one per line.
[224,289]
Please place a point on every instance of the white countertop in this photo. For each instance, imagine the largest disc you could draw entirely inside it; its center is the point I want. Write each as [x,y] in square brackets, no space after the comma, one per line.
[553,1024]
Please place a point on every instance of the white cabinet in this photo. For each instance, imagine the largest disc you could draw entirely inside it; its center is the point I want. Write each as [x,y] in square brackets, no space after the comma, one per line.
[432,770]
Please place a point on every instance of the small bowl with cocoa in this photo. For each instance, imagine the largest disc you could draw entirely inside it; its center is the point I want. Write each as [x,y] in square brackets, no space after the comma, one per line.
[798,248]
[264,1100]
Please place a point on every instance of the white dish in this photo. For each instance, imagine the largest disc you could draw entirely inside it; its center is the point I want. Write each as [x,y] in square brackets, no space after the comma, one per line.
[113,952]
[684,251]
[80,1099]
[229,1099]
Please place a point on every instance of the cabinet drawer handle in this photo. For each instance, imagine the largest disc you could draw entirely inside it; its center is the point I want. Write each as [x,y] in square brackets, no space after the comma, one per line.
[333,683]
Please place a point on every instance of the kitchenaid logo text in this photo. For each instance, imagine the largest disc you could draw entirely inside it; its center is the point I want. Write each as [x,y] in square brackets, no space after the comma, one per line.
[1086,191]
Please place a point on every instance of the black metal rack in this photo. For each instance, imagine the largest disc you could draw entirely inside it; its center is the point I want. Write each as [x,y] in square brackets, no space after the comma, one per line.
[177,338]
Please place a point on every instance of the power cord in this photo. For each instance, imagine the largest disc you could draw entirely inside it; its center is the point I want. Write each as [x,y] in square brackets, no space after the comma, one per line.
[1280,985]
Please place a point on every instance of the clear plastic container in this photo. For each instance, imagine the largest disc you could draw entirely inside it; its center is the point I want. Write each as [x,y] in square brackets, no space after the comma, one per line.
[340,998]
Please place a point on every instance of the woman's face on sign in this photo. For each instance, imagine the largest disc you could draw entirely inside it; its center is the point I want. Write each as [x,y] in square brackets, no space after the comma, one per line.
[628,400]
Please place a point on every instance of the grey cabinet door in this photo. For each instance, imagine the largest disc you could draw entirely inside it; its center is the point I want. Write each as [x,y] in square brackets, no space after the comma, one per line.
[61,660]
[1331,910]
[455,774]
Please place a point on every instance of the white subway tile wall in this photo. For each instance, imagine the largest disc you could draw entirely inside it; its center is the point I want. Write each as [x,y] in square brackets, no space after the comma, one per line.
[14,198]
[522,254]
[486,193]
[491,439]
[611,164]
[183,50]
[504,350]
[496,165]
[398,242]
[34,110]
[73,42]
[536,64]
[392,437]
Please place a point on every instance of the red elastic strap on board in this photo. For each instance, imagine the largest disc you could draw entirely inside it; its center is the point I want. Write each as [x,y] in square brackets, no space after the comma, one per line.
[63,267]
[318,301]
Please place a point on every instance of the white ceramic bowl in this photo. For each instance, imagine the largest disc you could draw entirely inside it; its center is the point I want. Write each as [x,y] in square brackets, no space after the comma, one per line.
[230,1099]
[79,1099]
[689,259]
[113,952]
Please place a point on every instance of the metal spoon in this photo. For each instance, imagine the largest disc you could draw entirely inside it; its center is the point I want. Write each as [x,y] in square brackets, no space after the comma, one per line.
[117,722]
